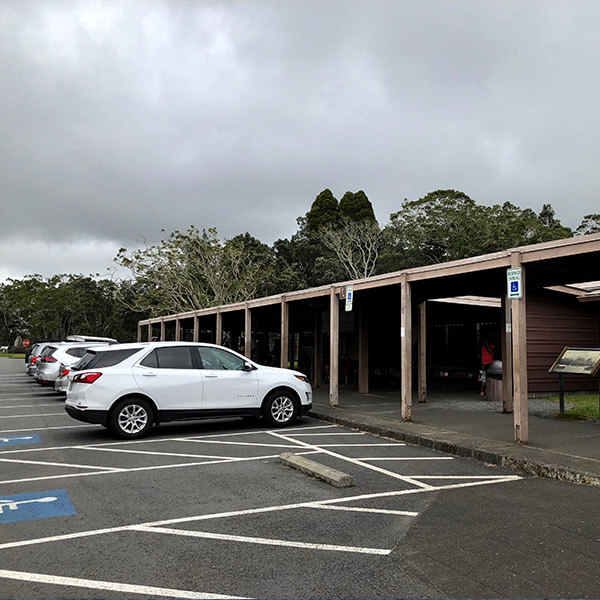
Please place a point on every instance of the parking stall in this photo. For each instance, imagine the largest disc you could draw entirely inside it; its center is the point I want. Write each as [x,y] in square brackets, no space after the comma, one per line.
[204,509]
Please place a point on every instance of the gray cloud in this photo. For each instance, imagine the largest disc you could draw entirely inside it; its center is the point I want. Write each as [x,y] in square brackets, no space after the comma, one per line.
[119,119]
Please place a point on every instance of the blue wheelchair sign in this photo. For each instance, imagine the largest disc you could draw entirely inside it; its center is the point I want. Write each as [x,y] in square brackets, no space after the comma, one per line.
[37,505]
[19,440]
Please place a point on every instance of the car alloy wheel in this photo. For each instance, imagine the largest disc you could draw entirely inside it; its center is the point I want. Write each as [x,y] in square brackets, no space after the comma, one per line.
[281,409]
[132,418]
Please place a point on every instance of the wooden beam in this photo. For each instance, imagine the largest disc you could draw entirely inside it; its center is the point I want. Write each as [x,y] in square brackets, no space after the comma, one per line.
[139,333]
[519,339]
[162,330]
[196,329]
[219,328]
[334,347]
[406,349]
[507,363]
[285,334]
[363,351]
[247,332]
[150,332]
[422,352]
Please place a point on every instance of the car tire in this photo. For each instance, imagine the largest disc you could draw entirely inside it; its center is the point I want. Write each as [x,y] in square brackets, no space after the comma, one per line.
[280,408]
[131,418]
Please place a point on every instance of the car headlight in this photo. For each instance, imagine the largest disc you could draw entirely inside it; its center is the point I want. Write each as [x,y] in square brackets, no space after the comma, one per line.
[302,378]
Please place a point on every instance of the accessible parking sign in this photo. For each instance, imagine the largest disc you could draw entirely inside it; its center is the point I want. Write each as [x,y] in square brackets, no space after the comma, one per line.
[36,505]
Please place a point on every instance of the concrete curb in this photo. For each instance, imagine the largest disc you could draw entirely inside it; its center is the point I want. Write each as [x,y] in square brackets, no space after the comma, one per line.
[315,469]
[482,449]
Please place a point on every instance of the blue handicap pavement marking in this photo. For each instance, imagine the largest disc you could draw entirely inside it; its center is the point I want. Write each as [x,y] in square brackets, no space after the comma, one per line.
[37,505]
[18,440]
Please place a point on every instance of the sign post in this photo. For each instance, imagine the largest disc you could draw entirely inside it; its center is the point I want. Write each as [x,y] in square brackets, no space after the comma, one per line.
[349,297]
[514,283]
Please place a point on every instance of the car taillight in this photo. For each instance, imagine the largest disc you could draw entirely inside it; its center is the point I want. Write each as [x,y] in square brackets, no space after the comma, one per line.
[48,359]
[34,360]
[86,377]
[65,372]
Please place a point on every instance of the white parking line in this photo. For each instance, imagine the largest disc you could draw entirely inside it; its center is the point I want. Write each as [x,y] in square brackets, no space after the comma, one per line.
[326,434]
[58,414]
[254,511]
[355,461]
[44,429]
[382,511]
[408,458]
[151,453]
[111,586]
[55,464]
[263,541]
[28,405]
[236,443]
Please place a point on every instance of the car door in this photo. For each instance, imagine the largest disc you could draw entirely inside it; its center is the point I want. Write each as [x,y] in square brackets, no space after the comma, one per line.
[227,384]
[170,375]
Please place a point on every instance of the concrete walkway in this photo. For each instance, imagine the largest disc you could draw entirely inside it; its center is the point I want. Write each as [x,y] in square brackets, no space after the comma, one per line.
[465,425]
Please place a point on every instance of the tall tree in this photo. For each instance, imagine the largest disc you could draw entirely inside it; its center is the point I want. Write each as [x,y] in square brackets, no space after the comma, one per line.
[356,207]
[323,211]
[589,224]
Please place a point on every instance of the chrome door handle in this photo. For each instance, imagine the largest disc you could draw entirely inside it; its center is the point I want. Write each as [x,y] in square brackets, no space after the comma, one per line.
[211,376]
[149,374]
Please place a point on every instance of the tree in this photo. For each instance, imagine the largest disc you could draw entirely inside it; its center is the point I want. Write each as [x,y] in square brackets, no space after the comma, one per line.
[589,224]
[192,270]
[356,206]
[323,211]
[355,244]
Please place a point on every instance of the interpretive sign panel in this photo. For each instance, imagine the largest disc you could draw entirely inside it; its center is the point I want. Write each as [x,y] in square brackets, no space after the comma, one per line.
[577,361]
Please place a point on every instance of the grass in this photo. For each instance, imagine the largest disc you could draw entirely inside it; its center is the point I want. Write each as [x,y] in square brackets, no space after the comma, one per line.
[21,356]
[582,406]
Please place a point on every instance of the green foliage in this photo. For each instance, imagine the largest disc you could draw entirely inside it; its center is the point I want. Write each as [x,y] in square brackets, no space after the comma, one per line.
[448,225]
[589,224]
[323,211]
[63,305]
[356,207]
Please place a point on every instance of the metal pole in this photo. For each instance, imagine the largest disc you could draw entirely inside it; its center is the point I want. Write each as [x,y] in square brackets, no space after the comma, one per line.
[561,394]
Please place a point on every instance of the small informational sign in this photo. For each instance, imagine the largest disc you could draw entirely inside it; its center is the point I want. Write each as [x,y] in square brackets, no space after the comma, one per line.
[349,297]
[514,283]
[19,440]
[37,505]
[26,343]
[577,361]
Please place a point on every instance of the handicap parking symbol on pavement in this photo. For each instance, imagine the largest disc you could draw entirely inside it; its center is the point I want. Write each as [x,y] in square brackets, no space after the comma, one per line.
[18,440]
[37,505]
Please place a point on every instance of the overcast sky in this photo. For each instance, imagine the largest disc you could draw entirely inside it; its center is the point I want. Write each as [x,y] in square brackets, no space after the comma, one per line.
[119,119]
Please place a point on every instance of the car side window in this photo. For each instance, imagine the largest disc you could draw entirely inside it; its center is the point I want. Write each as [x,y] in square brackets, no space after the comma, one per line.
[177,357]
[215,358]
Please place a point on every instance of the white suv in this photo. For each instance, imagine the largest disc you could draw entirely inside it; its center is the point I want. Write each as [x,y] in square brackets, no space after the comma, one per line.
[130,387]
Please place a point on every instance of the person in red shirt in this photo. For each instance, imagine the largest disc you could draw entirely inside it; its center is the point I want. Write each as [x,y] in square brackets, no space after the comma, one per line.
[487,358]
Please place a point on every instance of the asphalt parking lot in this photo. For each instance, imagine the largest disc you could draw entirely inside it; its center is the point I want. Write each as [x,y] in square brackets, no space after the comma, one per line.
[204,509]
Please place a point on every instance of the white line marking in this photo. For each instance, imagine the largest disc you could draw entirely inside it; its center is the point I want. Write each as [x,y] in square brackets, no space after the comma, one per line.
[152,453]
[263,541]
[44,429]
[58,414]
[359,463]
[357,445]
[458,476]
[152,468]
[28,405]
[254,511]
[236,443]
[55,464]
[409,458]
[383,511]
[324,434]
[112,586]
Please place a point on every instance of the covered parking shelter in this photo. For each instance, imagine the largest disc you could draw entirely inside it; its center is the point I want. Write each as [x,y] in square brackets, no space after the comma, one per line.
[375,330]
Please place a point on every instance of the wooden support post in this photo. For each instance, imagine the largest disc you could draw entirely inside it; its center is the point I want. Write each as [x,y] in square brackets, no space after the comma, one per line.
[507,367]
[139,333]
[318,350]
[406,348]
[247,332]
[519,336]
[334,347]
[422,352]
[177,331]
[196,329]
[285,333]
[363,351]
[150,332]
[162,330]
[219,328]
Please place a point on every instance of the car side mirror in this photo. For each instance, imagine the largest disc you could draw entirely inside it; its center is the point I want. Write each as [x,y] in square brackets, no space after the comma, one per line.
[248,366]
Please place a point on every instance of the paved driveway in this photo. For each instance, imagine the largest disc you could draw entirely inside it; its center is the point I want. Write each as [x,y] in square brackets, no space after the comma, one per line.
[204,509]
